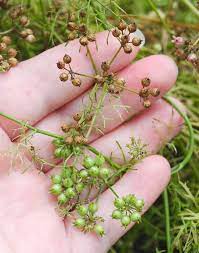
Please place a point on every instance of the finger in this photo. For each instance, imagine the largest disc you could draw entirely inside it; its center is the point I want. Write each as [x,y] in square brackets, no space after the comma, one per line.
[146,182]
[154,128]
[32,89]
[26,205]
[115,110]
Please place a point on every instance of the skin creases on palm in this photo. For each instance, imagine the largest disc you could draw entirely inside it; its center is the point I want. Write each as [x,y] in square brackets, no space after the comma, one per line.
[28,218]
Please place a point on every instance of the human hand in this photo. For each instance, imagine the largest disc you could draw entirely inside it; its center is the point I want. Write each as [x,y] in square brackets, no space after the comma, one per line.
[32,92]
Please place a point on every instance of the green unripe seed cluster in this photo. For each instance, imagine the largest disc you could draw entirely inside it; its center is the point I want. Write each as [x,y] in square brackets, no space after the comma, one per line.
[128,209]
[88,219]
[61,149]
[94,167]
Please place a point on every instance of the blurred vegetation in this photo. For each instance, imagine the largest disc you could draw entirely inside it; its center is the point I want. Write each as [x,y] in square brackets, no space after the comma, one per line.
[159,20]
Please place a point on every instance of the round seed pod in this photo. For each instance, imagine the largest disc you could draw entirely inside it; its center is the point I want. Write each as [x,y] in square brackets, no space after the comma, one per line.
[78,139]
[3,46]
[135,217]
[68,182]
[92,207]
[60,65]
[124,39]
[12,52]
[105,66]
[83,174]
[56,189]
[146,82]
[82,28]
[117,214]
[136,41]
[91,37]
[120,82]
[82,210]
[71,26]
[77,116]
[144,92]
[31,38]
[76,82]
[5,65]
[14,14]
[56,179]
[24,20]
[127,49]
[80,223]
[99,79]
[83,41]
[88,162]
[79,187]
[63,77]
[125,220]
[122,25]
[13,61]
[99,230]
[62,199]
[69,140]
[71,17]
[65,128]
[94,171]
[7,40]
[67,59]
[119,203]
[116,32]
[70,193]
[147,103]
[29,31]
[24,34]
[192,58]
[132,27]
[72,36]
[111,88]
[155,92]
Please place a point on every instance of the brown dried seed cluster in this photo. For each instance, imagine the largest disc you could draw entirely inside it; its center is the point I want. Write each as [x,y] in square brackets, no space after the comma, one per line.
[186,49]
[17,14]
[78,29]
[74,131]
[122,33]
[3,4]
[145,92]
[68,72]
[117,85]
[7,54]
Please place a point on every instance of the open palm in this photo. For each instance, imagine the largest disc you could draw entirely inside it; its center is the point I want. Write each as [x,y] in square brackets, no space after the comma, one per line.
[32,92]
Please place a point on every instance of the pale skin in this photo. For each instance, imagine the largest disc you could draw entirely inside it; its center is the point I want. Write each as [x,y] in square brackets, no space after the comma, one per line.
[32,91]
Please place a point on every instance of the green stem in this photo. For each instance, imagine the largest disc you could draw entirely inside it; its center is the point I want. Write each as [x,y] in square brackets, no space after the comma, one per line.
[189,154]
[108,160]
[151,3]
[6,32]
[167,220]
[91,58]
[191,7]
[39,131]
[115,55]
[111,189]
[24,124]
[99,104]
